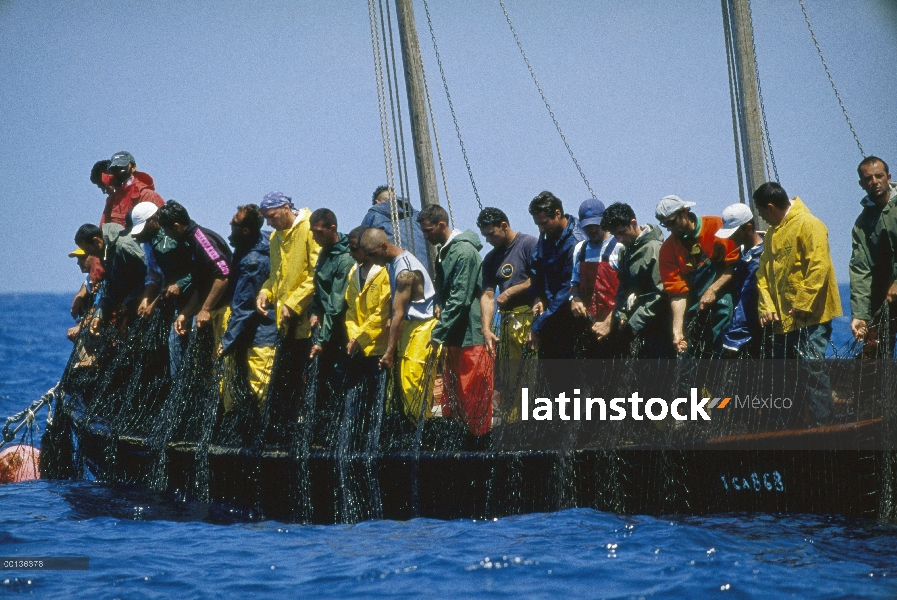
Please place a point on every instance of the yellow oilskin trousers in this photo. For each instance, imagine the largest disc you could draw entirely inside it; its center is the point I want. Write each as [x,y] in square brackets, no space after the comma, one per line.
[412,355]
[515,326]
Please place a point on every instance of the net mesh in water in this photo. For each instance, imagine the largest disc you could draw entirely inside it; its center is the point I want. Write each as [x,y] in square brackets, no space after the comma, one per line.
[332,440]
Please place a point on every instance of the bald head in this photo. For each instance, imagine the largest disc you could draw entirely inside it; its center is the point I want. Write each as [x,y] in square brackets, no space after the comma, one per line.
[372,239]
[375,243]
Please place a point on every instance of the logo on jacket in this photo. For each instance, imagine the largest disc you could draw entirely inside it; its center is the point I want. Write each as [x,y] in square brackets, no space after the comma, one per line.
[507,270]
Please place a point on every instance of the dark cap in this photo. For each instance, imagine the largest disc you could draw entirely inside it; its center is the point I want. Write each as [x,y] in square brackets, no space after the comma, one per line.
[590,212]
[121,159]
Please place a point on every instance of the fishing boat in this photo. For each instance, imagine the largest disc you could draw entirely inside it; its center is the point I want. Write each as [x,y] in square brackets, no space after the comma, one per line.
[763,465]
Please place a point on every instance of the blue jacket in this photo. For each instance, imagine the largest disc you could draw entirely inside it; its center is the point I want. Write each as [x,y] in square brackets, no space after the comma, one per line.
[746,320]
[379,216]
[246,327]
[552,270]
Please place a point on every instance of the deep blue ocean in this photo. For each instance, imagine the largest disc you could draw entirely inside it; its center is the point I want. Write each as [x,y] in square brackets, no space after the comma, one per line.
[145,546]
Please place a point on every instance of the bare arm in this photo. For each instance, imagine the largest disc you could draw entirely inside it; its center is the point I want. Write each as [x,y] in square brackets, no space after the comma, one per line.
[400,301]
[712,293]
[487,313]
[510,295]
[215,294]
[677,303]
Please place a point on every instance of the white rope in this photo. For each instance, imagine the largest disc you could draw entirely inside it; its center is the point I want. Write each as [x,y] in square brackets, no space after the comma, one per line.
[384,120]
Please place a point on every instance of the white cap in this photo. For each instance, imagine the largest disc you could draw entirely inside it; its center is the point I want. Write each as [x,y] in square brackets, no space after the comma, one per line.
[139,215]
[669,205]
[734,216]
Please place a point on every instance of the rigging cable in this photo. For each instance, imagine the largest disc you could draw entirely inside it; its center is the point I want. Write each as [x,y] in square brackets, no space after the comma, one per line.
[830,78]
[451,106]
[544,99]
[448,198]
[730,64]
[771,156]
[396,107]
[384,120]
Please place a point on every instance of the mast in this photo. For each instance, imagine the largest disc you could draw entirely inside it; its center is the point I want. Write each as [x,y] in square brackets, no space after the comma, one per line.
[417,108]
[748,100]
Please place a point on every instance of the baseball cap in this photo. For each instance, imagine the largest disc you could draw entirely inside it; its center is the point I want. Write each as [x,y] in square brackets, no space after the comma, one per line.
[121,159]
[77,252]
[734,216]
[590,212]
[669,205]
[138,217]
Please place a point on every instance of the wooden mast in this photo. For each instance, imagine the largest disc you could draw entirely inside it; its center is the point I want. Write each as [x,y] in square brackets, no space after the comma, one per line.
[748,102]
[417,108]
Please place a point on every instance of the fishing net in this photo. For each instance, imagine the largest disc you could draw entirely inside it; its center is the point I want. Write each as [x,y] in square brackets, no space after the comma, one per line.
[333,439]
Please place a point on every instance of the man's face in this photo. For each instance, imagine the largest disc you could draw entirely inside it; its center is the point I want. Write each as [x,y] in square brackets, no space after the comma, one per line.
[594,232]
[176,231]
[240,235]
[497,236]
[875,181]
[323,235]
[678,224]
[376,254]
[383,196]
[435,233]
[551,226]
[120,175]
[771,214]
[741,236]
[357,252]
[93,247]
[82,263]
[280,218]
[627,234]
[150,229]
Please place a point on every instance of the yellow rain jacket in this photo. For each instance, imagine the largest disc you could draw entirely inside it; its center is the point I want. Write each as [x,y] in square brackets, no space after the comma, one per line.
[294,254]
[796,271]
[367,310]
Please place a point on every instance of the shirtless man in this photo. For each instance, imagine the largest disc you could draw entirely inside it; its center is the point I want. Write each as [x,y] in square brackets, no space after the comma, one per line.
[412,318]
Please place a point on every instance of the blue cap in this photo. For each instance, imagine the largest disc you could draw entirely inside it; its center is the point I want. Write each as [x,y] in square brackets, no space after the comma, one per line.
[275,200]
[590,212]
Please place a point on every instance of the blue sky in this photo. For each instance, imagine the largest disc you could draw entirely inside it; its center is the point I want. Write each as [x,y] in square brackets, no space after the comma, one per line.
[222,102]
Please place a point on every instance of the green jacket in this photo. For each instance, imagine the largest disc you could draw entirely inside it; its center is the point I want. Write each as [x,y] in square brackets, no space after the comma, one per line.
[125,266]
[872,263]
[329,299]
[641,300]
[458,265]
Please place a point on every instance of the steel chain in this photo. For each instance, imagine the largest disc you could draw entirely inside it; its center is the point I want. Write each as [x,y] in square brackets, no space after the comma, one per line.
[830,78]
[544,99]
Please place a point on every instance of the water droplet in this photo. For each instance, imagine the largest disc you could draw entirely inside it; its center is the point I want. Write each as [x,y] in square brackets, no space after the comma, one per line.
[272,567]
[711,551]
[724,587]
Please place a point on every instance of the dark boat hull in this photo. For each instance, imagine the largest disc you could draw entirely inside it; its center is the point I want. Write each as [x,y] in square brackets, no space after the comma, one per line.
[726,475]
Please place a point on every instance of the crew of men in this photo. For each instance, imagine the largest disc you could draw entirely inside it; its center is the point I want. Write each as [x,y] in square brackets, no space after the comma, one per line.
[596,285]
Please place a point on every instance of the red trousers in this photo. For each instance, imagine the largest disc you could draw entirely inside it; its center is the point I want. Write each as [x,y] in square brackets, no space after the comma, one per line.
[468,387]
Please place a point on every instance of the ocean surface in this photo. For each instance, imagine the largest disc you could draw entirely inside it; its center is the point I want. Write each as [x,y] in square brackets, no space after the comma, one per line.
[142,545]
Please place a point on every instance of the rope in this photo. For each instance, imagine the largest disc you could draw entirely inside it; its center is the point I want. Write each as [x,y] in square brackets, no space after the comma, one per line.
[830,78]
[733,83]
[396,107]
[448,198]
[771,156]
[544,99]
[451,106]
[384,119]
[26,416]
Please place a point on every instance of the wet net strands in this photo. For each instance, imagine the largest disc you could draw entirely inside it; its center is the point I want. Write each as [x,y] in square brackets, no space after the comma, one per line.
[333,440]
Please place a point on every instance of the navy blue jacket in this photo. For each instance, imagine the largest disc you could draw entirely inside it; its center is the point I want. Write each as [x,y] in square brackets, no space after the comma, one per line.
[746,320]
[379,216]
[552,269]
[246,327]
